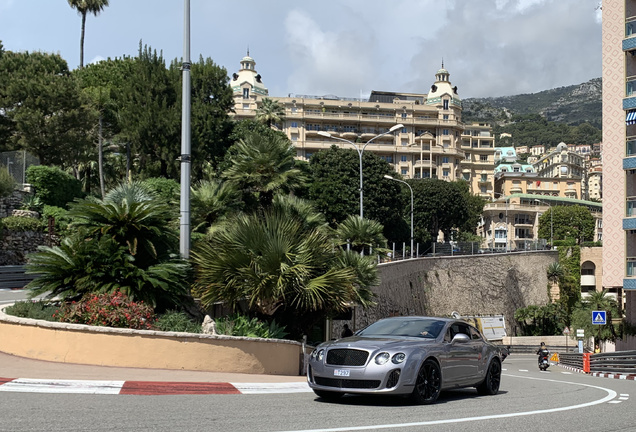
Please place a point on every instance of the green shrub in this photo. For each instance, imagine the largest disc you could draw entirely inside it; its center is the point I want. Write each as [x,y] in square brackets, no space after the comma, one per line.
[16,223]
[110,310]
[32,203]
[40,309]
[53,186]
[240,325]
[176,321]
[167,190]
[60,215]
[7,183]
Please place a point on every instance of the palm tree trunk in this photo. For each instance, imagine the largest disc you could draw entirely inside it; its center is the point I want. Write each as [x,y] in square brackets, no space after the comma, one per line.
[101,155]
[82,40]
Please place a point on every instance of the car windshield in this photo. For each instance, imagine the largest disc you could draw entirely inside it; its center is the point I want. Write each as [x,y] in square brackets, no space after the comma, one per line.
[422,327]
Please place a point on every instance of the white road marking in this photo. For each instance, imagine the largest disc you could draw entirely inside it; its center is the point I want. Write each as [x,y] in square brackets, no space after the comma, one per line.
[523,370]
[261,388]
[615,401]
[623,398]
[625,394]
[62,386]
[566,373]
[611,394]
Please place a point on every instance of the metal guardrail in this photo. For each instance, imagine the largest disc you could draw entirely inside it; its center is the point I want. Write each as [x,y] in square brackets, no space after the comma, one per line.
[615,362]
[14,277]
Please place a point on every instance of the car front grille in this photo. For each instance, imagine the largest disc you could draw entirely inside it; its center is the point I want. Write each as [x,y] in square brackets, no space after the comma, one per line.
[347,383]
[347,357]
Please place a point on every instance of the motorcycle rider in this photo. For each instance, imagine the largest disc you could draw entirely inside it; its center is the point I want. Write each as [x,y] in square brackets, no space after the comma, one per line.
[542,352]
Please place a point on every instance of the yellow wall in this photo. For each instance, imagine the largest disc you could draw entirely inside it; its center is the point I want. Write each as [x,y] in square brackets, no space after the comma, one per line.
[80,344]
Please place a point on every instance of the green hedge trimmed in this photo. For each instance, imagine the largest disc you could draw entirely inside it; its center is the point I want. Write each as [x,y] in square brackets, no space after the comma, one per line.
[15,223]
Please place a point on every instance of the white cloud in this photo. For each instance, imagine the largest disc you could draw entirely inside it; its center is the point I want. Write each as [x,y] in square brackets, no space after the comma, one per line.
[326,61]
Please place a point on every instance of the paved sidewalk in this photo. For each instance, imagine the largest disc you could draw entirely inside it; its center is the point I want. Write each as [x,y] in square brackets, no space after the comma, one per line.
[22,374]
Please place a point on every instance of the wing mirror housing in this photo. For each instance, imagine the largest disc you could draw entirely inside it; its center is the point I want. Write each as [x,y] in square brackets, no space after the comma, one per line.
[460,338]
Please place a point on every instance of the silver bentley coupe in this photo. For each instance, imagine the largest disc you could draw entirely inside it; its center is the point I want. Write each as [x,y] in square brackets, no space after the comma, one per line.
[413,356]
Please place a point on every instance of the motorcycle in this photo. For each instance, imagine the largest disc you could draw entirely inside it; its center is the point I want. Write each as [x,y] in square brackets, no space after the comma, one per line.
[544,359]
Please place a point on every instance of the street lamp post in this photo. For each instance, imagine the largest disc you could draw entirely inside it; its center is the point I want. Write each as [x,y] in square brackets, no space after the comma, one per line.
[551,221]
[184,229]
[507,227]
[410,189]
[360,151]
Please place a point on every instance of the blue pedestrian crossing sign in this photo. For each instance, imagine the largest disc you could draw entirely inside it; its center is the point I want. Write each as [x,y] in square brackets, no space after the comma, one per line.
[599,317]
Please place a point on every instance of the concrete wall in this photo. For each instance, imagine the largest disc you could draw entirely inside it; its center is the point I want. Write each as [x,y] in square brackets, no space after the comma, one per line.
[470,285]
[104,346]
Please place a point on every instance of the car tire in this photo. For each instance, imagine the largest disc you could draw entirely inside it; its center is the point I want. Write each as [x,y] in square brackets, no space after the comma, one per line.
[428,384]
[328,395]
[490,384]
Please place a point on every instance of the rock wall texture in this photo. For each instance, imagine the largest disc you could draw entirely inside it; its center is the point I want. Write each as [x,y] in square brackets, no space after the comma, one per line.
[16,245]
[470,285]
[10,203]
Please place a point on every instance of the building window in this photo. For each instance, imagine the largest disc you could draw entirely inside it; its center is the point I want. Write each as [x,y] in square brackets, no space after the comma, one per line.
[484,177]
[403,130]
[483,158]
[403,115]
[294,124]
[445,104]
[294,137]
[246,106]
[445,117]
[445,132]
[405,171]
[445,173]
[403,158]
[405,142]
[445,159]
[308,155]
[246,93]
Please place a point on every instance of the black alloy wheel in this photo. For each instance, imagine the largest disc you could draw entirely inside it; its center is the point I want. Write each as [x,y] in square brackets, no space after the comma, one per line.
[428,384]
[490,385]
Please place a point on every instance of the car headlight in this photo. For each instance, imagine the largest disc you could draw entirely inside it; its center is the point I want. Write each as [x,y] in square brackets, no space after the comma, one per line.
[382,358]
[398,358]
[320,355]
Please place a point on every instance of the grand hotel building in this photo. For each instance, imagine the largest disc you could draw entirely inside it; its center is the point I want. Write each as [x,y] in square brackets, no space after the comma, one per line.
[432,141]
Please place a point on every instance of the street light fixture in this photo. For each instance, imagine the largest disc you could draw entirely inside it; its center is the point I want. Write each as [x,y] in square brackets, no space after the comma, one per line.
[551,221]
[360,151]
[386,176]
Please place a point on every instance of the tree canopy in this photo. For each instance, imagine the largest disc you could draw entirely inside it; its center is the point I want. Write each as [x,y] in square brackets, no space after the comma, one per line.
[567,223]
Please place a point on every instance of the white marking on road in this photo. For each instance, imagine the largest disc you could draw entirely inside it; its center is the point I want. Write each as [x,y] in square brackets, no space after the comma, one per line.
[611,394]
[62,386]
[623,398]
[523,370]
[615,401]
[261,388]
[566,373]
[625,394]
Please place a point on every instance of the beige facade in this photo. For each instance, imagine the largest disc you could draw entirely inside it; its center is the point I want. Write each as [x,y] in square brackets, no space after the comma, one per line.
[619,157]
[561,163]
[508,183]
[432,140]
[512,221]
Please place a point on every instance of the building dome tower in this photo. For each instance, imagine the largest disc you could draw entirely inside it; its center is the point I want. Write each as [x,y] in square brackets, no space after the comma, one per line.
[247,83]
[443,94]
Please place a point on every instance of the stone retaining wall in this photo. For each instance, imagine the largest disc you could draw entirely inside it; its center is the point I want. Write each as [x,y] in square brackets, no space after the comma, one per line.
[471,285]
[105,346]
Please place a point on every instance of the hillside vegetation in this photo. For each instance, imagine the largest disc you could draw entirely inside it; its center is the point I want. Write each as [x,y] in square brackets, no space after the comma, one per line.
[570,114]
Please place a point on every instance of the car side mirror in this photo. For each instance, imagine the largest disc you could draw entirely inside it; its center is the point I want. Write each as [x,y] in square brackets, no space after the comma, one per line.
[460,338]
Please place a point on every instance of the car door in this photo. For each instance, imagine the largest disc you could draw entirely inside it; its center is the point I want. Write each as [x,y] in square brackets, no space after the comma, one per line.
[461,355]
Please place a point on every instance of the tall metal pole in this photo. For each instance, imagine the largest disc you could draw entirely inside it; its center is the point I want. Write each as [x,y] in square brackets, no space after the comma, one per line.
[184,232]
[361,200]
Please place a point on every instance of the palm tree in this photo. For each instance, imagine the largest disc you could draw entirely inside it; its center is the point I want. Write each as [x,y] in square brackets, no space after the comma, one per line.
[361,234]
[83,8]
[279,265]
[555,273]
[270,112]
[212,202]
[262,166]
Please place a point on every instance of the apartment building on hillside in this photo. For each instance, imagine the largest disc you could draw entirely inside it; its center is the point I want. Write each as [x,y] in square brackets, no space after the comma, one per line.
[432,140]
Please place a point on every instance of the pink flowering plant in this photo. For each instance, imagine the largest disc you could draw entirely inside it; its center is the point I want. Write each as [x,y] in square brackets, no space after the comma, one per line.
[113,309]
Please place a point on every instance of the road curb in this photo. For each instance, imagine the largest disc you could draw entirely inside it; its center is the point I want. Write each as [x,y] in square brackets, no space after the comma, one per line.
[146,388]
[631,377]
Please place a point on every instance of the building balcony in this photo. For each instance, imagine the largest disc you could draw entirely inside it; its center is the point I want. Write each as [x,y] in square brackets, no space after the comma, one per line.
[588,280]
[629,283]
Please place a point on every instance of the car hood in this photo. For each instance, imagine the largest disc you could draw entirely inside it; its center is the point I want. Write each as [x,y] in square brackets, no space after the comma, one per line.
[375,343]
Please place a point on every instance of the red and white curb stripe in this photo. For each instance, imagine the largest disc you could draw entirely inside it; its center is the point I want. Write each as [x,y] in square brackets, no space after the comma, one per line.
[28,385]
[602,374]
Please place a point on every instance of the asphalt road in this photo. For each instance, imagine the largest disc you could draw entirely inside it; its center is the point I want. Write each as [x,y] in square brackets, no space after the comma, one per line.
[556,399]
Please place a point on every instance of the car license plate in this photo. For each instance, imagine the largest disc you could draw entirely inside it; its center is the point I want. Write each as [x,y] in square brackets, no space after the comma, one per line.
[341,372]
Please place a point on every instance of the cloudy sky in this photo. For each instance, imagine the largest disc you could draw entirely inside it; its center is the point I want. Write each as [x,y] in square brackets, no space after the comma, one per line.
[341,47]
